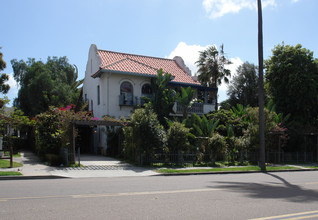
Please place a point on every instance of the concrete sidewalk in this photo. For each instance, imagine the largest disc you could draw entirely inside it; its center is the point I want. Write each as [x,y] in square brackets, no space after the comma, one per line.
[93,166]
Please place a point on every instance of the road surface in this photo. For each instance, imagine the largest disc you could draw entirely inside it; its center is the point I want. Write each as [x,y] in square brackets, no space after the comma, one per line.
[291,195]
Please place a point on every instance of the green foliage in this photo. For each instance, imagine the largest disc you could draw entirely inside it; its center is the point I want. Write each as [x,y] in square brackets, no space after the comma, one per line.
[235,145]
[144,136]
[204,127]
[47,133]
[4,88]
[16,119]
[185,100]
[292,83]
[54,129]
[240,112]
[163,98]
[236,118]
[45,84]
[243,88]
[177,137]
[216,146]
[252,132]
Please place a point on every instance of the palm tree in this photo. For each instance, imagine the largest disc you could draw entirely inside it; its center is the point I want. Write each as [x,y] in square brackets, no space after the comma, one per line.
[212,69]
[261,88]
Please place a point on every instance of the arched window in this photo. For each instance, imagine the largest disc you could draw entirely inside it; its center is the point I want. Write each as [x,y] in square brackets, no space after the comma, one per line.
[126,94]
[146,90]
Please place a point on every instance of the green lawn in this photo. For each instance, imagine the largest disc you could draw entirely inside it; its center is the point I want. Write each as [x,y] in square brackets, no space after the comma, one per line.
[6,164]
[9,173]
[246,168]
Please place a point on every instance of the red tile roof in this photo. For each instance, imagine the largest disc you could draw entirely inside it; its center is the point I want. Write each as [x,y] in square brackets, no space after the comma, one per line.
[143,65]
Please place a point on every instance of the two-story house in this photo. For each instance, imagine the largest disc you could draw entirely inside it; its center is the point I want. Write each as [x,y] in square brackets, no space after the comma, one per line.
[115,82]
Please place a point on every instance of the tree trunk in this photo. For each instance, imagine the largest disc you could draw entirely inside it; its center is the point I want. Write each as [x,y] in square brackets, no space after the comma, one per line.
[261,89]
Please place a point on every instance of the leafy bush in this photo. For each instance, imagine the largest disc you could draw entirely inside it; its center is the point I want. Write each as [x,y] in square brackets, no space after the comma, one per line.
[252,131]
[229,117]
[177,137]
[144,136]
[216,146]
[47,133]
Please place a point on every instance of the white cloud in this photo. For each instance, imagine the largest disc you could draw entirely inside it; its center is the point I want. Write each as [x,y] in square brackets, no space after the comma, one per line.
[218,8]
[190,54]
[12,83]
[236,62]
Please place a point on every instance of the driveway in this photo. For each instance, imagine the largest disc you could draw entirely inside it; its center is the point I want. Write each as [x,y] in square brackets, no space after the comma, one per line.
[93,166]
[101,166]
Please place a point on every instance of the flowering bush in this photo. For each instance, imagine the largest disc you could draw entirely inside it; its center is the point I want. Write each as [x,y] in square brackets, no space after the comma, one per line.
[54,128]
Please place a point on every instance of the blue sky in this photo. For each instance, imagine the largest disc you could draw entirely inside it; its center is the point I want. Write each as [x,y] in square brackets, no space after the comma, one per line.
[161,28]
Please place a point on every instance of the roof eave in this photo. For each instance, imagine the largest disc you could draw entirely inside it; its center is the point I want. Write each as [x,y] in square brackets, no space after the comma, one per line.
[193,86]
[99,73]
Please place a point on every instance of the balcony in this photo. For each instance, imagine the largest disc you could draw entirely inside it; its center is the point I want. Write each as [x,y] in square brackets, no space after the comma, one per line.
[126,100]
[197,108]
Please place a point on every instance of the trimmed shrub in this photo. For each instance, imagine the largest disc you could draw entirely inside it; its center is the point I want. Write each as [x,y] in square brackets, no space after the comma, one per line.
[143,137]
[177,137]
[216,147]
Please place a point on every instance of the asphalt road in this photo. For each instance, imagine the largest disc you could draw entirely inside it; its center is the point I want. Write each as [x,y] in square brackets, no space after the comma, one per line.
[224,196]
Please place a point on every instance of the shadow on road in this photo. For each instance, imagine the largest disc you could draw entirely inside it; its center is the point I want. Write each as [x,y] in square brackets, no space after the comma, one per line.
[283,190]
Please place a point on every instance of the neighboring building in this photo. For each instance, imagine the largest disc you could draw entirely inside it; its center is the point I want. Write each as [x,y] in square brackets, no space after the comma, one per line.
[115,82]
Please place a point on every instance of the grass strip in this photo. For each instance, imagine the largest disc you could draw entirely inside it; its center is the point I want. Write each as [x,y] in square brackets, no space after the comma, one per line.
[10,173]
[6,164]
[226,169]
[312,167]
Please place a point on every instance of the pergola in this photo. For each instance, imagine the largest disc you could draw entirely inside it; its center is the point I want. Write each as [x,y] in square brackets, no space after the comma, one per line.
[105,122]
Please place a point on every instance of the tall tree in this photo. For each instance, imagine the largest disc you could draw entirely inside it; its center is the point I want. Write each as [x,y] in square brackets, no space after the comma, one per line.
[44,84]
[292,84]
[243,88]
[261,88]
[4,88]
[212,68]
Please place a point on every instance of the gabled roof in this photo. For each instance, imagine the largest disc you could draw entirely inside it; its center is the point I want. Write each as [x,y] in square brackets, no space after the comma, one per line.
[141,65]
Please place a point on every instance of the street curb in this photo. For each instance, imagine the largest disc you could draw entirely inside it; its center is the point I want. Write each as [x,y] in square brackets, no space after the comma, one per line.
[232,172]
[31,177]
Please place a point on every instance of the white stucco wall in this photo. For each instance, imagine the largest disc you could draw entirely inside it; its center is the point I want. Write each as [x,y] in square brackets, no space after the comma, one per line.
[109,84]
[110,91]
[90,84]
